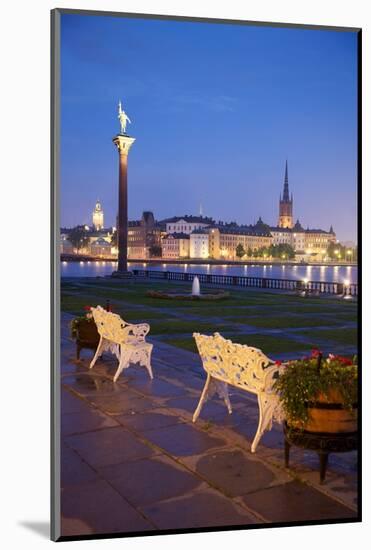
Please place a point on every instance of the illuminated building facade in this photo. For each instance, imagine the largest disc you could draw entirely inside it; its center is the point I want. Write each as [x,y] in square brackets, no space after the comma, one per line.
[98,216]
[285,218]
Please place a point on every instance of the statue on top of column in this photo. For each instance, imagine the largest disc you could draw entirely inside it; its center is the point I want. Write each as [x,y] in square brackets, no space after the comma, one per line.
[123,118]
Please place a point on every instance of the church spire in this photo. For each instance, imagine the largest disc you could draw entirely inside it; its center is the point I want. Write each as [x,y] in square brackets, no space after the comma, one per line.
[285,218]
[286,196]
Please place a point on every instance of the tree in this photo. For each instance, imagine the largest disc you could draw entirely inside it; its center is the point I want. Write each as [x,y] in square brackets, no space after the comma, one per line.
[281,251]
[286,251]
[240,251]
[78,237]
[155,250]
[336,251]
[249,252]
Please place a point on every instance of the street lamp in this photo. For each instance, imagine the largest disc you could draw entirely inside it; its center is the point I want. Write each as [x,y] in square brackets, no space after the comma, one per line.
[346,289]
[350,253]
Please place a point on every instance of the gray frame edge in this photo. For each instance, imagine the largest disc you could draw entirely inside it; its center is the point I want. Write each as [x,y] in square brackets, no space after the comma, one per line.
[55,401]
[198,19]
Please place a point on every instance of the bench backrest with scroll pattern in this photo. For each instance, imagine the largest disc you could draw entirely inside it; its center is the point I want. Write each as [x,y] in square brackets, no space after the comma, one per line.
[240,365]
[111,327]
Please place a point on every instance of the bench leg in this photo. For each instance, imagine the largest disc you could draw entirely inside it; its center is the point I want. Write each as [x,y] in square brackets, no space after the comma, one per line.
[202,400]
[265,420]
[124,361]
[148,362]
[222,389]
[98,352]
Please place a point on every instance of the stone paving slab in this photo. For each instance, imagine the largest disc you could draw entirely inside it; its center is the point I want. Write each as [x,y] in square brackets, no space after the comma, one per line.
[296,501]
[152,419]
[206,508]
[109,446]
[99,509]
[80,422]
[146,481]
[132,460]
[183,440]
[236,472]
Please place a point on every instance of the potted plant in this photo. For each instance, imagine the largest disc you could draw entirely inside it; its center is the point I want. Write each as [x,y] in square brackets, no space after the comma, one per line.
[318,394]
[84,331]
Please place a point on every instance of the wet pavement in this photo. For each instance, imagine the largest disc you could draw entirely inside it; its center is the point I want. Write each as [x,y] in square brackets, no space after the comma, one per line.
[133,461]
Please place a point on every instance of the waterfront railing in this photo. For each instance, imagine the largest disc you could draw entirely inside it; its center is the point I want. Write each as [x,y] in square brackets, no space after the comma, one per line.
[313,287]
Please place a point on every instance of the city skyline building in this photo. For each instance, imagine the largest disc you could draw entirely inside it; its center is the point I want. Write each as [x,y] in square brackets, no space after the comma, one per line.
[285,217]
[98,216]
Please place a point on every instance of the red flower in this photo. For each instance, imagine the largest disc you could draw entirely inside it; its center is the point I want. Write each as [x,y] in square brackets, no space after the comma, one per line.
[87,308]
[343,360]
[278,363]
[316,352]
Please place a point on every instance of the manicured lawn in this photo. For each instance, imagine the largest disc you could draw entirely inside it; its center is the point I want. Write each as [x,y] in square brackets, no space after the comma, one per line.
[268,344]
[344,336]
[75,305]
[182,327]
[285,321]
[244,306]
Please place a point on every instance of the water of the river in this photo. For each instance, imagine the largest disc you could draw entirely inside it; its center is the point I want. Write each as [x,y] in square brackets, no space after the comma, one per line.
[338,274]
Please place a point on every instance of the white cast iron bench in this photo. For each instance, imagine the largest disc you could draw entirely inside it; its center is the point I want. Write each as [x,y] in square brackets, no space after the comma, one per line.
[241,366]
[123,339]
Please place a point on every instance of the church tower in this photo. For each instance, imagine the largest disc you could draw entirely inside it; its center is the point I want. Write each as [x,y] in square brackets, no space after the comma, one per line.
[98,216]
[286,203]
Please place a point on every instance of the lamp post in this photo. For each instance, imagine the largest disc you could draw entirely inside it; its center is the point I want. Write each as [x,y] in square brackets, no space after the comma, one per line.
[346,289]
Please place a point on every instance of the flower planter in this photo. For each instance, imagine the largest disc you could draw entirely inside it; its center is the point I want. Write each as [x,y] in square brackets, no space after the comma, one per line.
[86,335]
[319,399]
[328,415]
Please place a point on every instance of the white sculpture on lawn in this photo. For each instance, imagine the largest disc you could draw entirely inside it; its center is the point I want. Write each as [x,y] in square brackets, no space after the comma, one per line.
[123,118]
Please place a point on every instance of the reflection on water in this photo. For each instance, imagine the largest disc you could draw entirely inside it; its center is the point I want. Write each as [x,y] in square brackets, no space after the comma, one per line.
[312,273]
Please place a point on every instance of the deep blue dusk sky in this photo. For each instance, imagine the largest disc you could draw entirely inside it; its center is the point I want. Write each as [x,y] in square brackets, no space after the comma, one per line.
[216,109]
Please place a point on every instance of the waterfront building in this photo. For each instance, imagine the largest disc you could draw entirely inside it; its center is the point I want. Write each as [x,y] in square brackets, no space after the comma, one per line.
[199,244]
[98,216]
[224,239]
[65,246]
[317,242]
[175,245]
[144,236]
[186,224]
[285,218]
[100,247]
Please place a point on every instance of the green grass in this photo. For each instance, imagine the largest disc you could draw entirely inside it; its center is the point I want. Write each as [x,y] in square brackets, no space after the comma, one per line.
[135,292]
[76,304]
[285,321]
[344,336]
[269,344]
[259,309]
[182,327]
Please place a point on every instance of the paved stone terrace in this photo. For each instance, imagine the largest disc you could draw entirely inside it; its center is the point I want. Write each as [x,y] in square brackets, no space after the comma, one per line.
[133,461]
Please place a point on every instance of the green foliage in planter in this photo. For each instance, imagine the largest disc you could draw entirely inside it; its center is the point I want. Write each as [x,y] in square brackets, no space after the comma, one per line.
[74,325]
[302,381]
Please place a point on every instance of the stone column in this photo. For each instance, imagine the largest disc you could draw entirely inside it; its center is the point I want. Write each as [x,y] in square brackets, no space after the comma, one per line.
[123,144]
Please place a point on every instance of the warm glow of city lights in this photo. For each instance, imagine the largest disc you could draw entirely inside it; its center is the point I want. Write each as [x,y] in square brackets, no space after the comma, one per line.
[346,282]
